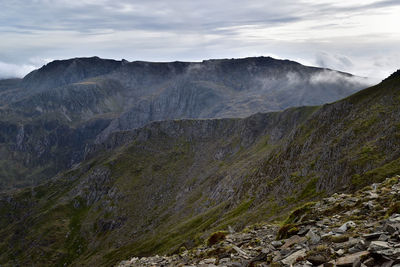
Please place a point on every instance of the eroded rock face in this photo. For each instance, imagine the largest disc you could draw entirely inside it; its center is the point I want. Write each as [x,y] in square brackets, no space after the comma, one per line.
[170,183]
[258,247]
[55,104]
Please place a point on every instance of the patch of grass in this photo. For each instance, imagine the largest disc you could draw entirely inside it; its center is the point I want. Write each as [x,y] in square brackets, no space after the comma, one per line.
[239,210]
[310,190]
[379,174]
[339,238]
[168,240]
[393,208]
[75,244]
[286,231]
[300,213]
[368,154]
[391,181]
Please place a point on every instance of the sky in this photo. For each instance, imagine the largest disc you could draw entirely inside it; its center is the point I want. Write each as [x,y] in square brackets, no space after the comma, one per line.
[357,36]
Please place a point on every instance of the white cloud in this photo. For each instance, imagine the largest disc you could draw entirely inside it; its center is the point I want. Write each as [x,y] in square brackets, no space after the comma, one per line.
[14,71]
[335,77]
[349,35]
[334,61]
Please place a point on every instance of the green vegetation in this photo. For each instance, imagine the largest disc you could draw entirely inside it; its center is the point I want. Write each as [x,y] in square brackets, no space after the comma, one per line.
[394,208]
[377,175]
[339,238]
[216,237]
[300,213]
[286,231]
[174,185]
[310,189]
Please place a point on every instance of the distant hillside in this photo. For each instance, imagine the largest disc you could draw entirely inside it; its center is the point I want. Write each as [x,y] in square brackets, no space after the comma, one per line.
[52,116]
[171,183]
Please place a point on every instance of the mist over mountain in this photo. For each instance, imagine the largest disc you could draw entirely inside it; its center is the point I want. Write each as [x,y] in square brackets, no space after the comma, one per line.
[154,134]
[51,117]
[168,185]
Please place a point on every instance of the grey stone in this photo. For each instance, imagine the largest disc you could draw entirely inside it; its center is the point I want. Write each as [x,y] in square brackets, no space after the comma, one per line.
[312,237]
[346,226]
[378,245]
[317,259]
[354,250]
[303,231]
[340,252]
[392,253]
[387,263]
[373,235]
[395,218]
[348,260]
[369,262]
[293,240]
[383,237]
[294,256]
[390,229]
[357,263]
[276,243]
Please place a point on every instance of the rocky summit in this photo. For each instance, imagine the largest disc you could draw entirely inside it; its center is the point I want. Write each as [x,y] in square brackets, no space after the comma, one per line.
[360,229]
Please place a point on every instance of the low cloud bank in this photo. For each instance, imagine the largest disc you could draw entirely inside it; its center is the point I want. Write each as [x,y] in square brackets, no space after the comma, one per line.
[329,77]
[8,70]
[335,77]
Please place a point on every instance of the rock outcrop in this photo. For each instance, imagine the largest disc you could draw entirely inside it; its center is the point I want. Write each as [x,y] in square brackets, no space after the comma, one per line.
[361,229]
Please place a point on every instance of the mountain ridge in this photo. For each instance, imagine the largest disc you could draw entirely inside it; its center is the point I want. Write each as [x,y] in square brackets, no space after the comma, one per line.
[53,107]
[209,174]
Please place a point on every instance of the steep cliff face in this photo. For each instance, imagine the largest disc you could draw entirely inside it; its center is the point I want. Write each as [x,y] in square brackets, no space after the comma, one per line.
[226,89]
[169,184]
[35,150]
[52,106]
[151,179]
[9,90]
[63,72]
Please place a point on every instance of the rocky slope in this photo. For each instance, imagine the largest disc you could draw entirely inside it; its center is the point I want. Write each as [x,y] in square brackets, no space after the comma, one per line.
[360,229]
[83,100]
[172,183]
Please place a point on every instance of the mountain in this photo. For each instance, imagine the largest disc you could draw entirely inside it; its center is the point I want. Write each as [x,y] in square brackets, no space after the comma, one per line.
[364,230]
[170,184]
[53,116]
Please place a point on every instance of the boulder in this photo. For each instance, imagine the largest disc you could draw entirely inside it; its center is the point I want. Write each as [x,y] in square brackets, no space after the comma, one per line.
[292,258]
[348,260]
[313,238]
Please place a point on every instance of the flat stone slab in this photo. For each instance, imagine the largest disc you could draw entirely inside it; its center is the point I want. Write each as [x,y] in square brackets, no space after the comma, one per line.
[294,240]
[294,256]
[349,259]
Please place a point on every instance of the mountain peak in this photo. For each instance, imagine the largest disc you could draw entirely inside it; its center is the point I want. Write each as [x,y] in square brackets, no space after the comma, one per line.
[393,76]
[257,60]
[62,72]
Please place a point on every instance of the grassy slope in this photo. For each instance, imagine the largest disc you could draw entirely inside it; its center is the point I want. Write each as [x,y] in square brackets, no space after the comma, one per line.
[169,190]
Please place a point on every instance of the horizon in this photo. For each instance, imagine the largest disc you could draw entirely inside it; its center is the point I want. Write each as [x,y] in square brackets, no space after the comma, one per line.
[369,80]
[358,38]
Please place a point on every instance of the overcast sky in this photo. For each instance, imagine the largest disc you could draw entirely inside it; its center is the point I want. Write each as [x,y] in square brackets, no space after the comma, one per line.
[357,36]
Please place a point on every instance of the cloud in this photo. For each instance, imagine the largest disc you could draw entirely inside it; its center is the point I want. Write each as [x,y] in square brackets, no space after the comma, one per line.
[333,61]
[349,32]
[329,77]
[14,71]
[336,77]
